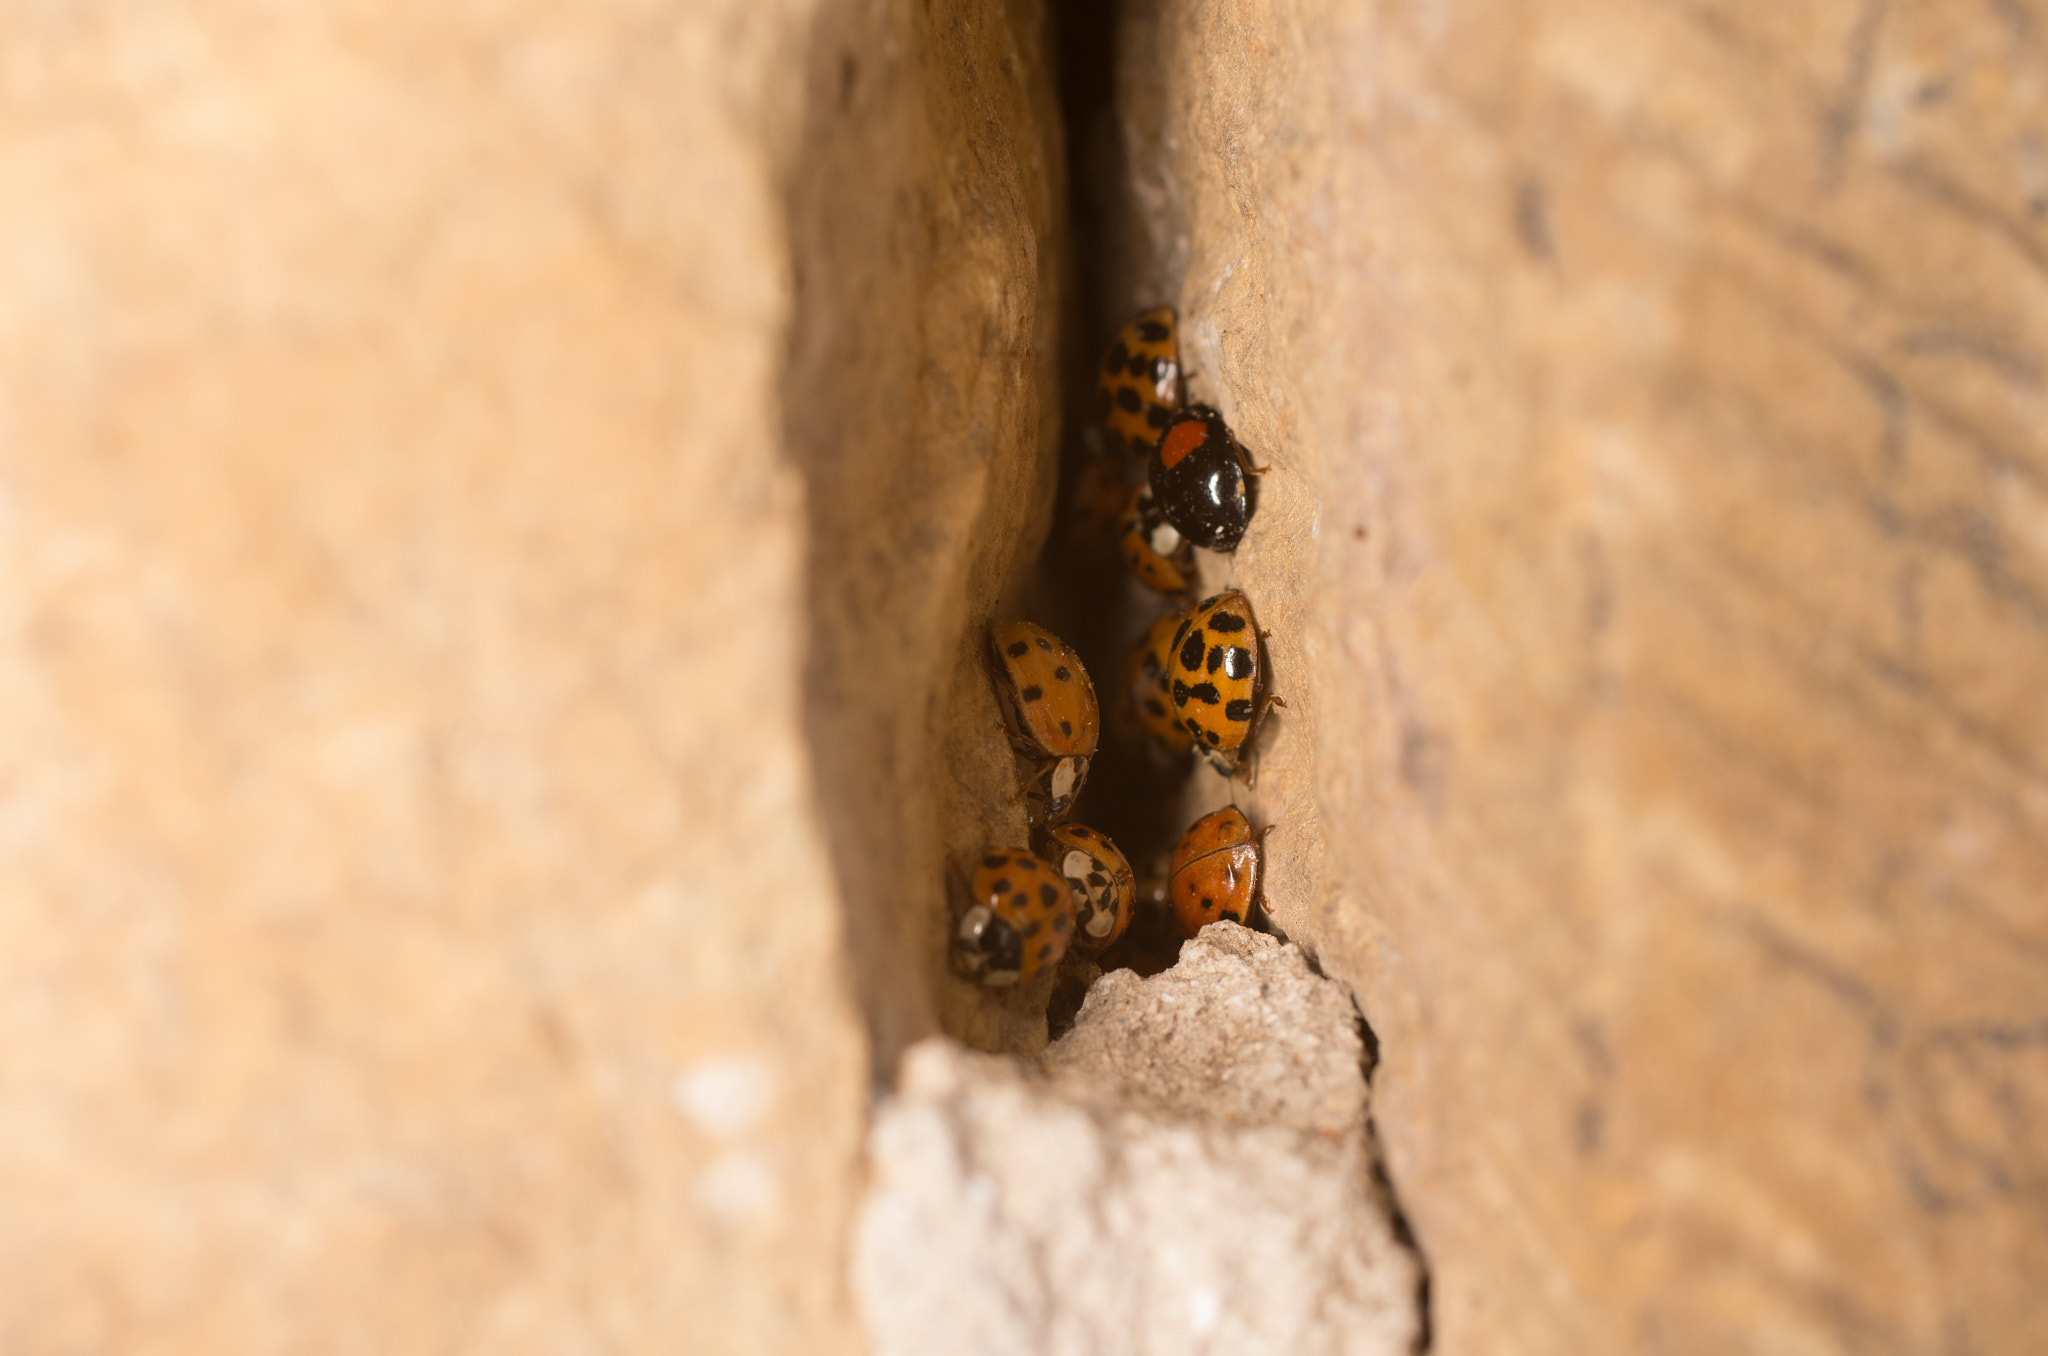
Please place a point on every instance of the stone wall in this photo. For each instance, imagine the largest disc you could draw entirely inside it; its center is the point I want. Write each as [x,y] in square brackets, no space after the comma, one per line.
[435,447]
[1656,556]
[498,506]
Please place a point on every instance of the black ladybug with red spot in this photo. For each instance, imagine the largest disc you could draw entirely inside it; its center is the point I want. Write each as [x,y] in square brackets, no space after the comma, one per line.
[1203,480]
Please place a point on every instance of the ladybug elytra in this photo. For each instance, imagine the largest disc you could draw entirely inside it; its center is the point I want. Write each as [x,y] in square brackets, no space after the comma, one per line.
[1215,871]
[1052,705]
[1140,380]
[1202,478]
[1016,919]
[1151,693]
[1213,678]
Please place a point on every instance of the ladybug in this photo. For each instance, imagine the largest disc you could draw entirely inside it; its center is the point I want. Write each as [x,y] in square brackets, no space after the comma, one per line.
[1104,889]
[1212,674]
[1152,692]
[1141,380]
[1098,500]
[1198,473]
[1052,706]
[1215,871]
[1015,919]
[1153,547]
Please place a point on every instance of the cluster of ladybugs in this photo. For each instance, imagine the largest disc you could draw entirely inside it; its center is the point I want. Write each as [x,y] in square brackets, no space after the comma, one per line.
[1196,685]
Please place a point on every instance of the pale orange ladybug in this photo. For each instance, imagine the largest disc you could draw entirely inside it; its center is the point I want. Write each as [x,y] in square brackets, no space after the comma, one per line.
[1015,919]
[1215,871]
[1052,706]
[1095,508]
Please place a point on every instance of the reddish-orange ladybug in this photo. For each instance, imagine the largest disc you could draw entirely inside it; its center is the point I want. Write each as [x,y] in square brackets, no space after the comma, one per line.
[1213,677]
[1015,920]
[1215,871]
[1052,706]
[1140,380]
[1154,548]
[1201,476]
[1095,509]
[1104,889]
[1151,692]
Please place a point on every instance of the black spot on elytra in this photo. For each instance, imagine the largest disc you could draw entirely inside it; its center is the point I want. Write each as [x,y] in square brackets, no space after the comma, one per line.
[1180,693]
[999,886]
[1062,923]
[1241,709]
[1141,366]
[1045,644]
[1155,706]
[1237,662]
[1152,332]
[1062,674]
[1032,693]
[1048,895]
[995,859]
[1127,399]
[1205,693]
[1230,916]
[1020,901]
[1158,416]
[1031,929]
[1215,657]
[1213,738]
[1116,358]
[1066,727]
[1018,649]
[1226,622]
[1207,903]
[1044,950]
[1191,652]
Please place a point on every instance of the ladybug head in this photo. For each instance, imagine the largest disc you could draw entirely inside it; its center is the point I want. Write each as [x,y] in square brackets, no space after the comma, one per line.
[986,948]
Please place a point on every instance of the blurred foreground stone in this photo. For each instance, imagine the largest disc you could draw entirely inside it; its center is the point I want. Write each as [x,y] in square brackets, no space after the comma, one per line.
[1194,1175]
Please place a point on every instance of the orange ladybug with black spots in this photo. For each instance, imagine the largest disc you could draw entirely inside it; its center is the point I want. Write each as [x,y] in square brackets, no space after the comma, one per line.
[1213,678]
[1215,871]
[1140,380]
[1015,919]
[1051,704]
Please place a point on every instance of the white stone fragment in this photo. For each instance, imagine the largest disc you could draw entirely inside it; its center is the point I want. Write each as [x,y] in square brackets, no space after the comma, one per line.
[1191,1173]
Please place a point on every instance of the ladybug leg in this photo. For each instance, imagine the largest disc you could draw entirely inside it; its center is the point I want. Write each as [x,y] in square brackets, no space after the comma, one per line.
[1244,459]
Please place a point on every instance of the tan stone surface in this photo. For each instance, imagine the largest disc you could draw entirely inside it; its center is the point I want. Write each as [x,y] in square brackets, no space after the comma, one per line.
[1656,559]
[416,930]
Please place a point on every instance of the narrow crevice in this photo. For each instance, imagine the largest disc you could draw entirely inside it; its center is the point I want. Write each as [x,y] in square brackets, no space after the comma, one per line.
[1383,1184]
[1085,591]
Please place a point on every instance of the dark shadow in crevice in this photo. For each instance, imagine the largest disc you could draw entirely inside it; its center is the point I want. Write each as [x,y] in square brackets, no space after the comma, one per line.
[1383,1186]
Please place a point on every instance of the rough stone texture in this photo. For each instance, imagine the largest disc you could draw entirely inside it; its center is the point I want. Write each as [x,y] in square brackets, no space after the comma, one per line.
[929,171]
[418,931]
[1657,562]
[1193,1177]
